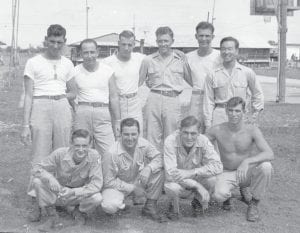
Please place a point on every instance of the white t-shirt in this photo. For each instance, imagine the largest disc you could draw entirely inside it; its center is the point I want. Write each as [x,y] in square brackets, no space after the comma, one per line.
[93,86]
[126,73]
[49,76]
[201,66]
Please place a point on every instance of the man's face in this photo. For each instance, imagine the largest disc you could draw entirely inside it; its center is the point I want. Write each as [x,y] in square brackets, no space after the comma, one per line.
[228,51]
[235,114]
[89,53]
[129,136]
[189,135]
[204,37]
[55,44]
[164,43]
[126,46]
[81,147]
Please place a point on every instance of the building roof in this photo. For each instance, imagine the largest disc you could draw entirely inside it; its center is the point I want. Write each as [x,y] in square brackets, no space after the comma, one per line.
[109,40]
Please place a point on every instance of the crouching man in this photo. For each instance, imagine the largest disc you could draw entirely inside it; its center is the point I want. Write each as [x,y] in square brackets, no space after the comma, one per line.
[70,177]
[132,167]
[191,165]
[252,173]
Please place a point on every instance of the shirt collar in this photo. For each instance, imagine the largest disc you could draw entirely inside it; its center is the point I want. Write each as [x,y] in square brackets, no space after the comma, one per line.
[236,66]
[179,143]
[175,55]
[69,157]
[121,150]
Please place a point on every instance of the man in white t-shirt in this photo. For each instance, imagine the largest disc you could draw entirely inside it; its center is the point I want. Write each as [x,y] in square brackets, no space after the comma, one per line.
[49,84]
[97,97]
[126,65]
[201,61]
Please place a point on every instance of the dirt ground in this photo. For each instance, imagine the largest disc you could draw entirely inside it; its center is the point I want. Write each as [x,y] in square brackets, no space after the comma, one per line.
[279,211]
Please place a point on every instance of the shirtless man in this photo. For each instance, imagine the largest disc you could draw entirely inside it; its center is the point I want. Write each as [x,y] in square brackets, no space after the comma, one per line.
[251,173]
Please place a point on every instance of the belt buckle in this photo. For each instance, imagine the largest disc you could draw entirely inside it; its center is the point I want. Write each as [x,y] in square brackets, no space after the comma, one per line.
[56,97]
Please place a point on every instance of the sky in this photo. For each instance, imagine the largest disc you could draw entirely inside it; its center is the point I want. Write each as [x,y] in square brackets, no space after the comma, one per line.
[232,18]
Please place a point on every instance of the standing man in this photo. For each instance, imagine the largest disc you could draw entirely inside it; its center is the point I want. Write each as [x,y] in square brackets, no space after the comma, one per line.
[235,140]
[97,97]
[47,113]
[228,80]
[126,65]
[164,72]
[70,177]
[202,61]
[134,167]
[191,166]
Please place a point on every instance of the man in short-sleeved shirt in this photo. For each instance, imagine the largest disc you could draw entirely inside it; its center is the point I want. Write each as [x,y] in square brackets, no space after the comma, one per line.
[126,65]
[47,113]
[164,73]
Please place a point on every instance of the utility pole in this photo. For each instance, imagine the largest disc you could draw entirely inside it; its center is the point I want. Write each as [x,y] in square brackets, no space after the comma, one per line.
[13,61]
[87,19]
[213,13]
[282,30]
[133,28]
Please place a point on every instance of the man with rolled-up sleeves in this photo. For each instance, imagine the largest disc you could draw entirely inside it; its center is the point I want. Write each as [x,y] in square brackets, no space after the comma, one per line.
[164,72]
[228,80]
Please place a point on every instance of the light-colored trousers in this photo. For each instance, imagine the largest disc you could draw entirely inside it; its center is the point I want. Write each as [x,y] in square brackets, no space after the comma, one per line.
[46,197]
[113,199]
[51,125]
[219,116]
[97,121]
[131,107]
[196,108]
[258,179]
[175,191]
[163,114]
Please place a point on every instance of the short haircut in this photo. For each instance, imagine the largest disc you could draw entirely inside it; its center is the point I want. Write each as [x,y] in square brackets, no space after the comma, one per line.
[81,133]
[190,121]
[128,122]
[205,25]
[230,38]
[56,30]
[127,34]
[163,31]
[235,101]
[88,41]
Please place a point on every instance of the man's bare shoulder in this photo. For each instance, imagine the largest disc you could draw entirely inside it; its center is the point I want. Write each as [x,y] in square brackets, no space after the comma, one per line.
[217,129]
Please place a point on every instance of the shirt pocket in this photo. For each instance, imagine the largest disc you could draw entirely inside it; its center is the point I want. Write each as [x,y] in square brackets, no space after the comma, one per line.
[177,72]
[153,77]
[221,91]
[240,89]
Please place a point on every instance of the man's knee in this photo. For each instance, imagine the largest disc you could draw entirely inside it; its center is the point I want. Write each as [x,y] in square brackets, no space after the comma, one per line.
[221,193]
[112,201]
[172,189]
[96,199]
[37,183]
[265,168]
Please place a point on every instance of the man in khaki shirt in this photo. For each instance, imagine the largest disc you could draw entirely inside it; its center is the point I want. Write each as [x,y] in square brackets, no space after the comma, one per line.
[191,166]
[132,166]
[165,73]
[69,176]
[228,80]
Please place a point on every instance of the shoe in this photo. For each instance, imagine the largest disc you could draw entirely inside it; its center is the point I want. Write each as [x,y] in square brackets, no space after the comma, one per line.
[138,200]
[252,211]
[150,210]
[79,217]
[171,214]
[36,214]
[52,222]
[227,205]
[197,207]
[246,195]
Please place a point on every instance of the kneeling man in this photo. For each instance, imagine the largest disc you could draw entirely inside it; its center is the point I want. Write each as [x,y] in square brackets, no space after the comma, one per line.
[252,173]
[191,164]
[132,166]
[71,177]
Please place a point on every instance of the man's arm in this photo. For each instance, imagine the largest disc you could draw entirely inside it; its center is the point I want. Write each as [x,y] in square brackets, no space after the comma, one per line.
[143,71]
[114,105]
[26,133]
[110,173]
[155,157]
[257,96]
[187,71]
[71,92]
[208,101]
[95,180]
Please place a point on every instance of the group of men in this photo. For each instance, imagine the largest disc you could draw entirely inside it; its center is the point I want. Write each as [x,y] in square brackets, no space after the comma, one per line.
[97,105]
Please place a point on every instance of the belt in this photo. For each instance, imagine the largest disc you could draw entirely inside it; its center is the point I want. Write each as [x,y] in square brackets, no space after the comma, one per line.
[220,105]
[50,97]
[128,96]
[167,93]
[93,104]
[197,92]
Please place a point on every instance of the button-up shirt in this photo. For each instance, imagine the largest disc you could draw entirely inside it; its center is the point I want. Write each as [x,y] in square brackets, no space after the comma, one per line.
[121,169]
[169,76]
[202,156]
[220,86]
[85,178]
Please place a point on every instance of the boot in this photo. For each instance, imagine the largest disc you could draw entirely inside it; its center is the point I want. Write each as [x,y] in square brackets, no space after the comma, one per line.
[227,205]
[252,211]
[246,195]
[150,210]
[197,207]
[171,214]
[36,214]
[52,222]
[79,217]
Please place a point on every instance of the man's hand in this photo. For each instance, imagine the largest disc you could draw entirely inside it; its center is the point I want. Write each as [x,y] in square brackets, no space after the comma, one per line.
[138,190]
[144,175]
[203,193]
[65,193]
[26,135]
[241,173]
[54,185]
[116,129]
[179,175]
